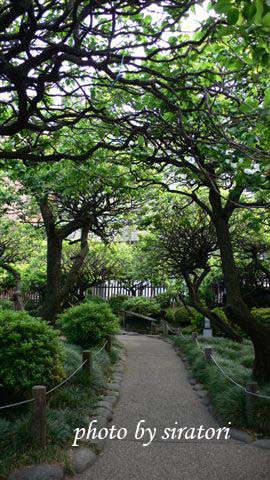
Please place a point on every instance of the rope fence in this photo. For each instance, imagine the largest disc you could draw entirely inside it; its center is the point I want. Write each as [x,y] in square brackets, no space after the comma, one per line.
[207,352]
[39,394]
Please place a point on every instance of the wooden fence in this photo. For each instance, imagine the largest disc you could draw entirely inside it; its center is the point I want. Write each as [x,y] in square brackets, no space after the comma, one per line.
[9,294]
[111,288]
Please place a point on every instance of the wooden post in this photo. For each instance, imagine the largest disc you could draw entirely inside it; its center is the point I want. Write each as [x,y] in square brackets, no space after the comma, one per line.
[250,401]
[108,346]
[38,427]
[194,336]
[207,354]
[87,368]
[165,328]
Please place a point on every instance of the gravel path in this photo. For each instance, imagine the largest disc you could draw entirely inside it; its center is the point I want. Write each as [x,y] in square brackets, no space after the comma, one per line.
[155,389]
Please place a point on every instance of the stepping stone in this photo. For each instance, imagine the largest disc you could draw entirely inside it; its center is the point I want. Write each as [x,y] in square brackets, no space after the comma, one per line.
[104,404]
[192,381]
[198,386]
[98,444]
[241,436]
[202,394]
[104,413]
[39,472]
[262,443]
[82,459]
[112,399]
[205,401]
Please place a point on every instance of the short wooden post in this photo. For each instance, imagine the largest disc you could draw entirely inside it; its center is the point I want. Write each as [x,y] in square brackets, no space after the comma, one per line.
[207,354]
[165,328]
[178,331]
[250,401]
[151,328]
[108,346]
[38,427]
[87,358]
[194,336]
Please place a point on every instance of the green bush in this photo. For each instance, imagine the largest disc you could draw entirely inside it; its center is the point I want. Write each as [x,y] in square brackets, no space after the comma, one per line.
[165,299]
[262,314]
[182,317]
[144,306]
[30,353]
[88,324]
[6,304]
[95,298]
[116,303]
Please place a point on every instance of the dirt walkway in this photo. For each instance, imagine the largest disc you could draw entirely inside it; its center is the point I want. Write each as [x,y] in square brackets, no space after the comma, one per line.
[155,389]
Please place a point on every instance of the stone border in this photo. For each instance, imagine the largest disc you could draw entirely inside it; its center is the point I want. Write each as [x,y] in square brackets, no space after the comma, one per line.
[82,457]
[202,394]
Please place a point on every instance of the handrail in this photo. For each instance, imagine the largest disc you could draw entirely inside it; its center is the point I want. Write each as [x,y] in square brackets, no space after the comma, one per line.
[150,319]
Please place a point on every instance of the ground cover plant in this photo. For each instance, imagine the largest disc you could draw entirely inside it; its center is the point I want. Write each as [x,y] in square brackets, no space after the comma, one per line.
[227,399]
[68,407]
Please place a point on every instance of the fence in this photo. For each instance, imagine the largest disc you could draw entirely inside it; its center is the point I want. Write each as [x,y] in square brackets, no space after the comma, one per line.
[9,295]
[111,288]
[39,396]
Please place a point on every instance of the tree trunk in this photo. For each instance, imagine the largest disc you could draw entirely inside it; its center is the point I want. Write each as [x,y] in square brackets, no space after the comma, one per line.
[236,309]
[17,298]
[74,272]
[51,305]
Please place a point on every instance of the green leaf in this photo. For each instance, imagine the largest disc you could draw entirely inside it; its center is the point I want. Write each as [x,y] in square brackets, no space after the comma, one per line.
[266,101]
[266,20]
[148,19]
[232,16]
[222,6]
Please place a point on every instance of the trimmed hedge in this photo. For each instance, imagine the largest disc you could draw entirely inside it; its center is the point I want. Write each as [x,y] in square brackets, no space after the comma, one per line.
[116,303]
[89,323]
[144,306]
[182,317]
[30,353]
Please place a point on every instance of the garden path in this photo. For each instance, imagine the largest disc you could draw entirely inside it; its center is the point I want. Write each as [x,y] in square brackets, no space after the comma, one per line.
[155,388]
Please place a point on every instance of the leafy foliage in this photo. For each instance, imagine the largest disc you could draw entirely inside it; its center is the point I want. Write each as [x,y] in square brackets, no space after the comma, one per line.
[89,323]
[116,303]
[30,353]
[182,317]
[144,306]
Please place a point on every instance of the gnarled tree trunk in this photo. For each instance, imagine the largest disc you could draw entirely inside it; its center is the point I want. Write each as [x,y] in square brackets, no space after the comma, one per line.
[236,309]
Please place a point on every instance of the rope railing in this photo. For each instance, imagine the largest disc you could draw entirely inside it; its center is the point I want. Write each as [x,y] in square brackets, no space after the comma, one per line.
[23,402]
[66,379]
[16,404]
[100,350]
[229,377]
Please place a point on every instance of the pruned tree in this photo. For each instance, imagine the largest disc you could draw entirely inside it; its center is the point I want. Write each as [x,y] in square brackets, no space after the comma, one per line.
[183,243]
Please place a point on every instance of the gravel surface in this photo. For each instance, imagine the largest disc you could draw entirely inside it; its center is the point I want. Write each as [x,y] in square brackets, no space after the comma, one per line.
[155,388]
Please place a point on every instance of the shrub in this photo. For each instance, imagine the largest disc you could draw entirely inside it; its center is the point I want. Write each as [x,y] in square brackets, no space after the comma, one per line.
[144,306]
[165,299]
[88,324]
[262,314]
[182,317]
[30,353]
[116,303]
[6,304]
[94,298]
